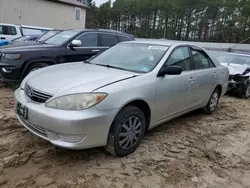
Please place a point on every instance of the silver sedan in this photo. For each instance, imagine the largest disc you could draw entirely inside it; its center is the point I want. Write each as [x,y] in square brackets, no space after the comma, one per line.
[113,99]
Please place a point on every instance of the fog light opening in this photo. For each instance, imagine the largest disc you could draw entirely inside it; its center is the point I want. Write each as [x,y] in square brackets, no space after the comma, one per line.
[7,70]
[71,138]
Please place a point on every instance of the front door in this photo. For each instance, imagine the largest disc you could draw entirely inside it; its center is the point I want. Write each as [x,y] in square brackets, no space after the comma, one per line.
[173,91]
[89,48]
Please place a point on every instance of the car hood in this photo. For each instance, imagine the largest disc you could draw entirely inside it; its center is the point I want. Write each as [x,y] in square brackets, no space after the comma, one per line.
[24,43]
[236,68]
[74,78]
[19,48]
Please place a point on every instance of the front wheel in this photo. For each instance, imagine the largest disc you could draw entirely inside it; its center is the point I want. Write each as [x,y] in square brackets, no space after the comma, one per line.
[35,66]
[245,94]
[213,102]
[127,131]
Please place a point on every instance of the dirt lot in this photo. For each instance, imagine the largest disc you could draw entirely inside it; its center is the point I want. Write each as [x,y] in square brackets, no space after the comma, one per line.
[191,151]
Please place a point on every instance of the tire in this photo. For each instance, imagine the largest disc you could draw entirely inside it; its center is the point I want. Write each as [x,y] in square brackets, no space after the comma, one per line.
[245,94]
[35,66]
[213,102]
[121,133]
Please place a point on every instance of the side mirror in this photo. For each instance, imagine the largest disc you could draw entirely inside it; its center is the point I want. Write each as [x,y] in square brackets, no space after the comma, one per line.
[170,70]
[75,43]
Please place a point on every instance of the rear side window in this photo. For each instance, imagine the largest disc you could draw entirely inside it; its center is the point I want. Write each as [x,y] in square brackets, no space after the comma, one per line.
[7,30]
[108,39]
[201,60]
[123,38]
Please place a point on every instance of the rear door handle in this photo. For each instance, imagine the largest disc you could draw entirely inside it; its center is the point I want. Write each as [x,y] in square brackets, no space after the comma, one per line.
[2,38]
[215,74]
[95,50]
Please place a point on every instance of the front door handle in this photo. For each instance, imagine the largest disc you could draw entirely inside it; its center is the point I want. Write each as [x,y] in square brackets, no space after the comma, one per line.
[2,38]
[191,79]
[95,50]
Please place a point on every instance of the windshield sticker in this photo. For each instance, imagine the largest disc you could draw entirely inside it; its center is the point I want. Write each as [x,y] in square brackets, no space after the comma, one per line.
[157,48]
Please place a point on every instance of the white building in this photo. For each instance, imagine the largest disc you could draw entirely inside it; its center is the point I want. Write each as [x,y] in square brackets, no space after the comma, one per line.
[58,14]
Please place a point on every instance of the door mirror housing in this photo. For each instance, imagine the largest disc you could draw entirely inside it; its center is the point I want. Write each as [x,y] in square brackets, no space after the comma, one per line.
[75,43]
[170,70]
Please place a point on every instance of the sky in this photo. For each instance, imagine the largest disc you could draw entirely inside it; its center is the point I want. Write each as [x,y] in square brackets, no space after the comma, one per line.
[99,2]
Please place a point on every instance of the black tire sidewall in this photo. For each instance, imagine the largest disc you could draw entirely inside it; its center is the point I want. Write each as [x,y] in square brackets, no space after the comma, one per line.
[35,65]
[117,125]
[243,94]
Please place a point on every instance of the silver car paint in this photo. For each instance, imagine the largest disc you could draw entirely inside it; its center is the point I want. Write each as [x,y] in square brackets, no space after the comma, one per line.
[167,97]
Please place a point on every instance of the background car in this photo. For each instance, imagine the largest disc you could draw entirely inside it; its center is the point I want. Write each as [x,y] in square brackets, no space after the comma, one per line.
[16,62]
[24,38]
[113,99]
[238,64]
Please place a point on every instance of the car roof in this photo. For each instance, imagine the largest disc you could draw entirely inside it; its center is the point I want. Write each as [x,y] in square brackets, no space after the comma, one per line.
[163,42]
[96,30]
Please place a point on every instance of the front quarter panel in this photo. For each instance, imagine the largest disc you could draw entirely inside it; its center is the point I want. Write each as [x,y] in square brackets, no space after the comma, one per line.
[123,92]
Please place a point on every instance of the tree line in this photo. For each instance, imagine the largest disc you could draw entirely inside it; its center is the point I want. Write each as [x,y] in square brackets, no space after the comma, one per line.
[196,20]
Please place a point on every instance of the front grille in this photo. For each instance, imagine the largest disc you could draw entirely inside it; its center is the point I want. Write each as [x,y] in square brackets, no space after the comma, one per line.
[35,95]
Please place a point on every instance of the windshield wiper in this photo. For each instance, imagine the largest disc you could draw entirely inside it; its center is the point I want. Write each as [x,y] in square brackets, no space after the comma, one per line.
[87,62]
[111,66]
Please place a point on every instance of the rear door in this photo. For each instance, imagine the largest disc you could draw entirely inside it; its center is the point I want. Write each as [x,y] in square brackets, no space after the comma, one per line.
[205,76]
[90,47]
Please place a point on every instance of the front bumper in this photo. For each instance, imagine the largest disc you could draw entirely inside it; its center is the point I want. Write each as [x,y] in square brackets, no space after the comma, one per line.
[68,129]
[239,84]
[14,75]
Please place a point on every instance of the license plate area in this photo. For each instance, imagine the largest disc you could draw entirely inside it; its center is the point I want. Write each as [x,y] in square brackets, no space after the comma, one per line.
[21,110]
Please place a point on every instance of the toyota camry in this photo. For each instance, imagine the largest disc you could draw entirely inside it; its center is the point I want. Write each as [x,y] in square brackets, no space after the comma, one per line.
[114,98]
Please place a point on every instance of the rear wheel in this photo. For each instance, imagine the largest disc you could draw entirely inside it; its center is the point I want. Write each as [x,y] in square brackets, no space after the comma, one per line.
[127,131]
[213,102]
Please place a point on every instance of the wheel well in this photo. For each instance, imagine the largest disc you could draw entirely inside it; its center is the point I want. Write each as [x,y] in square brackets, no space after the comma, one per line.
[27,64]
[219,87]
[144,107]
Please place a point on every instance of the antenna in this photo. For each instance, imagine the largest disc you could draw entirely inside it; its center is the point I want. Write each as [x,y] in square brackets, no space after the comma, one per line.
[230,48]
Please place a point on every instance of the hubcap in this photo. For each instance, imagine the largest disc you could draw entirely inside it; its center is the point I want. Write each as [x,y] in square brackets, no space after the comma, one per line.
[130,133]
[214,101]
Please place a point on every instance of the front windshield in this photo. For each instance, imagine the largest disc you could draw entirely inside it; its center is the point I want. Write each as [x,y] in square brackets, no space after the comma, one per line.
[61,37]
[47,36]
[136,57]
[240,59]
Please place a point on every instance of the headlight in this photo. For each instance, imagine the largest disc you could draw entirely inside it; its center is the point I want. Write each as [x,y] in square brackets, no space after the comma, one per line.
[11,56]
[76,101]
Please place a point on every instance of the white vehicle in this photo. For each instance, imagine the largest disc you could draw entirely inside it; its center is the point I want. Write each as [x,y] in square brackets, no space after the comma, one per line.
[11,31]
[238,64]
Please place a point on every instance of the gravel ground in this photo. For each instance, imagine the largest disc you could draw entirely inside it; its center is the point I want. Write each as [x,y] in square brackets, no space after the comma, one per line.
[195,150]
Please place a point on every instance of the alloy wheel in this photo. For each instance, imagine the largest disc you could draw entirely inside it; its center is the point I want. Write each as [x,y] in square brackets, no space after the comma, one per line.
[214,101]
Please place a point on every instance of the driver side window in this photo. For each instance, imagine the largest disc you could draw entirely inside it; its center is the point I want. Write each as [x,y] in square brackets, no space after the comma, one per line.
[180,57]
